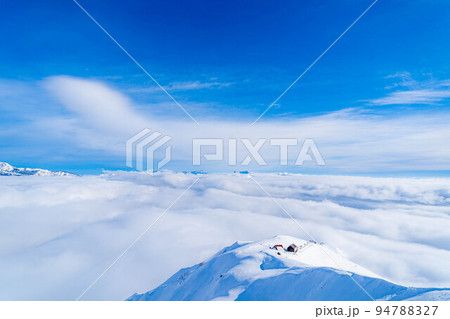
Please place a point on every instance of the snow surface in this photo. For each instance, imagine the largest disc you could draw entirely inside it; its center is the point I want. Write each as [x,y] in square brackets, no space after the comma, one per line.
[260,271]
[9,170]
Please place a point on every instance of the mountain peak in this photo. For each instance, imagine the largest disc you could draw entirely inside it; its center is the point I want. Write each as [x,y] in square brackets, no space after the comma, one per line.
[9,170]
[5,167]
[267,270]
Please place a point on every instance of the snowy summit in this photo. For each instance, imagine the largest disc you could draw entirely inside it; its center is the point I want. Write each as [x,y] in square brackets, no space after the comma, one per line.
[9,170]
[268,270]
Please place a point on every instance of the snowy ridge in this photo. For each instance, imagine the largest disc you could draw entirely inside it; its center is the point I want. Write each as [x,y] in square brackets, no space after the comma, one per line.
[260,271]
[9,170]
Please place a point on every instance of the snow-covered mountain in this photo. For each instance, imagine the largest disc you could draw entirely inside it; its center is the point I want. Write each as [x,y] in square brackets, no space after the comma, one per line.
[261,271]
[9,170]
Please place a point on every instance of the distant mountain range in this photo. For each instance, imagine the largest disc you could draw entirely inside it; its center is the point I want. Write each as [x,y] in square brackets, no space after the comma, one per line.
[9,170]
[267,270]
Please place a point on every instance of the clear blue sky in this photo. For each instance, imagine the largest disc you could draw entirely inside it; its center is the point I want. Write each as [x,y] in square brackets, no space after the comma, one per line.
[235,57]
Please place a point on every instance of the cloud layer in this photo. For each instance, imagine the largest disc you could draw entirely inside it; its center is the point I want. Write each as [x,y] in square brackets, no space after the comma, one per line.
[58,234]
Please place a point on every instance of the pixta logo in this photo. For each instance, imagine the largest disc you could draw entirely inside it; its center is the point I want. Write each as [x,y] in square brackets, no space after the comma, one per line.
[141,149]
[308,151]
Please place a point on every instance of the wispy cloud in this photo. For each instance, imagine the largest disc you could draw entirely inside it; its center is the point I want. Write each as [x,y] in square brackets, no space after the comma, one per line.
[98,118]
[427,96]
[183,86]
[410,91]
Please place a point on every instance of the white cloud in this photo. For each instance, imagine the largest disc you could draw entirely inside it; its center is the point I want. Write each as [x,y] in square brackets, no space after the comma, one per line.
[58,234]
[425,96]
[98,118]
[414,92]
[183,86]
[95,103]
[350,141]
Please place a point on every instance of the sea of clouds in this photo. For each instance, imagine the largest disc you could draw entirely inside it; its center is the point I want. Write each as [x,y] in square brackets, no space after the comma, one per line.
[58,234]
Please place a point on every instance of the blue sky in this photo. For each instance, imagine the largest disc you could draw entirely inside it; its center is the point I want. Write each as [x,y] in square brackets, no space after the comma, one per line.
[222,61]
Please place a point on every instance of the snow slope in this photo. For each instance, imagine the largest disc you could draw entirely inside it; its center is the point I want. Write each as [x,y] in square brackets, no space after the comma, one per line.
[9,170]
[258,271]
